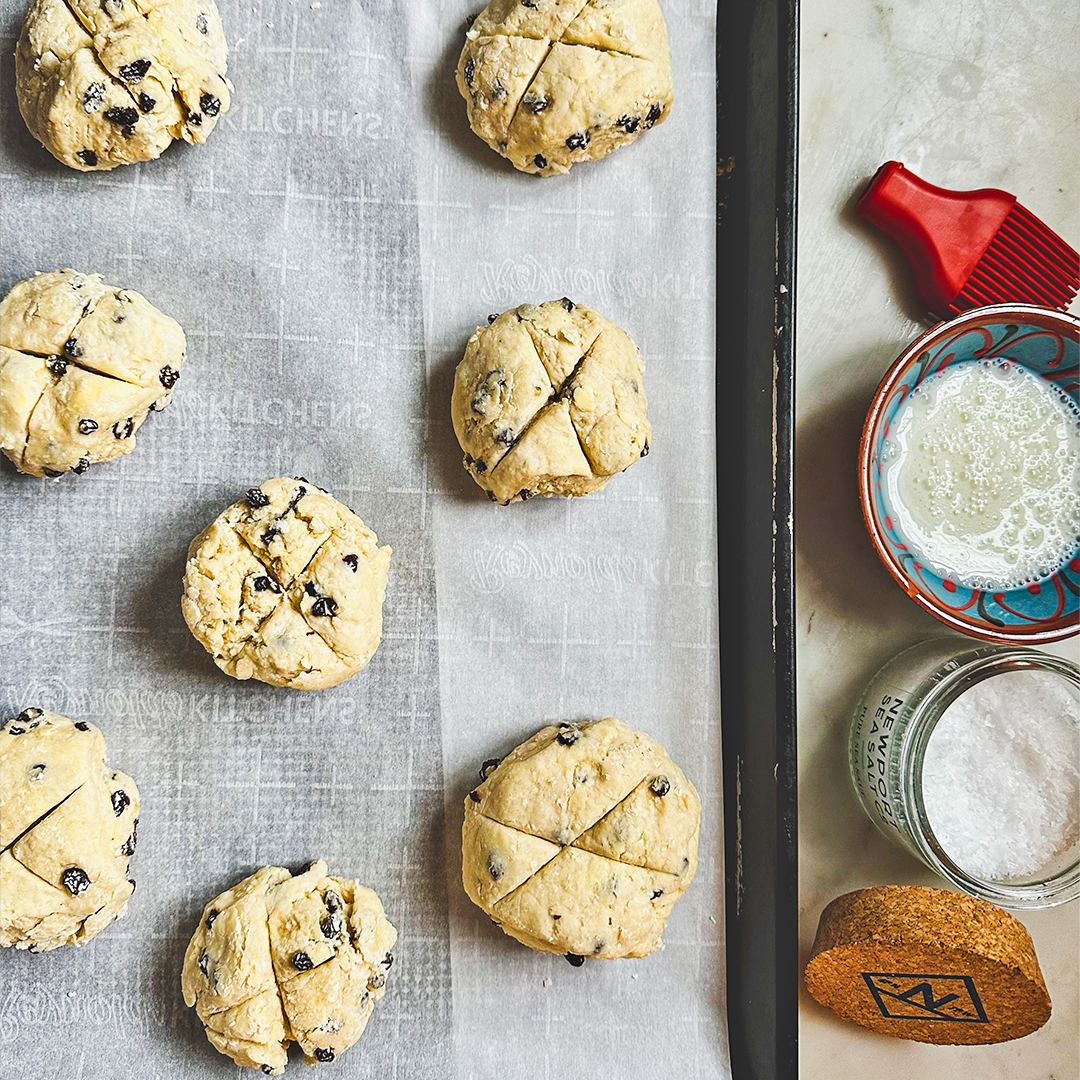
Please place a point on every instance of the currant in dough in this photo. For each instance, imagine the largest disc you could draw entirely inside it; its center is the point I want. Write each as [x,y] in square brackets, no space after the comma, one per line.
[549,83]
[549,400]
[67,830]
[287,587]
[581,840]
[103,83]
[82,364]
[279,959]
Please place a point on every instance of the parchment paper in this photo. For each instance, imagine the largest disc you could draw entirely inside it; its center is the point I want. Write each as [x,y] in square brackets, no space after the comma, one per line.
[328,252]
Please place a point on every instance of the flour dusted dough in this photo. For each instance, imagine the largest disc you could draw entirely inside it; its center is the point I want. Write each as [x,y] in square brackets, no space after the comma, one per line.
[82,364]
[553,82]
[67,829]
[279,958]
[287,586]
[103,83]
[549,400]
[581,840]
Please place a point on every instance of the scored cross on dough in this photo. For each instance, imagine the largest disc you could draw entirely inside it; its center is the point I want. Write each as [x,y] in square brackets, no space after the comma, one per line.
[552,83]
[581,840]
[82,364]
[110,82]
[287,586]
[67,830]
[549,400]
[281,958]
[641,829]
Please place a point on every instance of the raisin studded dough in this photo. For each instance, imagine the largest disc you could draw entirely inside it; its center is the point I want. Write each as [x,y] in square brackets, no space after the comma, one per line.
[279,958]
[581,840]
[82,364]
[549,400]
[103,83]
[287,586]
[553,82]
[67,829]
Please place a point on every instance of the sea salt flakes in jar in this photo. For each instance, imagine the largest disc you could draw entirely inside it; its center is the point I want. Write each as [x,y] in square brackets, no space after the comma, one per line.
[971,760]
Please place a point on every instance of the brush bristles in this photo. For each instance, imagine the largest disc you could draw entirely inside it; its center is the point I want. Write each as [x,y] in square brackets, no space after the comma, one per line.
[1026,263]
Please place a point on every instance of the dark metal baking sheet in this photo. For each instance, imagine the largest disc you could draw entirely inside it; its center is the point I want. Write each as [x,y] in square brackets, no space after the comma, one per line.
[757,65]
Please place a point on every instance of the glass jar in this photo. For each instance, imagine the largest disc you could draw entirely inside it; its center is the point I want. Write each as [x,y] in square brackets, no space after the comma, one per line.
[890,731]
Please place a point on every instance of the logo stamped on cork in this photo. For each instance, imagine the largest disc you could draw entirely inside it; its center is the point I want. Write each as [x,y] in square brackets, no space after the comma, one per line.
[929,965]
[902,996]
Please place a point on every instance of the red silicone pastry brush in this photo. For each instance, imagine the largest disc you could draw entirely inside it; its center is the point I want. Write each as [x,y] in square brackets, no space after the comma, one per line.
[970,248]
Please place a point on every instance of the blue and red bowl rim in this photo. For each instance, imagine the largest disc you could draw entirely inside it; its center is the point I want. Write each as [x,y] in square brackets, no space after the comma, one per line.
[1056,321]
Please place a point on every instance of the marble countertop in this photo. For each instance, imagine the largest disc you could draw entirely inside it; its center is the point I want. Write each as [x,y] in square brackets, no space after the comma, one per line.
[967,95]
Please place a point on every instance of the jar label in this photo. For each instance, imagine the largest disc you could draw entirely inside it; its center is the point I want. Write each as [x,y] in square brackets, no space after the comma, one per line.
[875,733]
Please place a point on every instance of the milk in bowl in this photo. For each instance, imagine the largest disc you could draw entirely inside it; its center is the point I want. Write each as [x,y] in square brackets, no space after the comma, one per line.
[969,473]
[981,468]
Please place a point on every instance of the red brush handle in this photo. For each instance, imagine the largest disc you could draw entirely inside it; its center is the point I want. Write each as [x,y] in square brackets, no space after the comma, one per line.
[943,233]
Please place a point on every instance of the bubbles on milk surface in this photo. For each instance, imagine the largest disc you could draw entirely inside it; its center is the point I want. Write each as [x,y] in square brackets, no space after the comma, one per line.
[982,470]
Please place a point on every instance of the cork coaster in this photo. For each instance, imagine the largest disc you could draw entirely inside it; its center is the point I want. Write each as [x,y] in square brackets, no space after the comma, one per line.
[928,965]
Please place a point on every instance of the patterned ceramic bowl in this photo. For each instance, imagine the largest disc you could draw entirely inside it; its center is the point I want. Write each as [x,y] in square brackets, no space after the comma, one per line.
[1046,342]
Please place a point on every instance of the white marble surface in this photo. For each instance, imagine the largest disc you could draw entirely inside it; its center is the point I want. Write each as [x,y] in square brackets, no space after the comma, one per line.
[968,95]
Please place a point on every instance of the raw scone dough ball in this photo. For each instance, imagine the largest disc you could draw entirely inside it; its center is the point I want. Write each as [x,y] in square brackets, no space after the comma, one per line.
[581,840]
[67,830]
[103,83]
[553,82]
[279,958]
[287,586]
[549,400]
[82,364]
